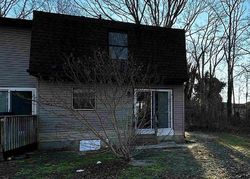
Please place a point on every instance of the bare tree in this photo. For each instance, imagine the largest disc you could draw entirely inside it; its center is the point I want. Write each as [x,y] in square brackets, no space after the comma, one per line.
[6,6]
[123,10]
[61,6]
[156,12]
[205,46]
[19,8]
[204,50]
[164,13]
[190,14]
[231,14]
[112,82]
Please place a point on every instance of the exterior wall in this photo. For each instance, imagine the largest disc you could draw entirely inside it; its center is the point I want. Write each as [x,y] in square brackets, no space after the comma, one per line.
[58,128]
[63,128]
[178,111]
[14,58]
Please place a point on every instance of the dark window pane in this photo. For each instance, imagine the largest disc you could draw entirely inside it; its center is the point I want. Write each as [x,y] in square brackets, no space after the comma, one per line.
[143,105]
[118,39]
[21,102]
[118,53]
[3,101]
[162,109]
[83,99]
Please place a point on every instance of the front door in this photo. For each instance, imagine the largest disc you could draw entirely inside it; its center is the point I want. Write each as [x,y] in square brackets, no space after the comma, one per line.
[153,111]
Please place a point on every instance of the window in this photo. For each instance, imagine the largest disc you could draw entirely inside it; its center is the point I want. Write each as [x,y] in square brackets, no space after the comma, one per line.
[84,100]
[21,102]
[118,45]
[3,101]
[17,101]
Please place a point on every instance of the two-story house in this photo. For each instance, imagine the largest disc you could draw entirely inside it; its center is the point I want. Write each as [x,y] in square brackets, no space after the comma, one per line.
[31,56]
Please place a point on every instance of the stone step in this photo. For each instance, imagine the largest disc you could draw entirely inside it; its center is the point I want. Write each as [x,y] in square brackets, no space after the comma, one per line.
[162,145]
[146,139]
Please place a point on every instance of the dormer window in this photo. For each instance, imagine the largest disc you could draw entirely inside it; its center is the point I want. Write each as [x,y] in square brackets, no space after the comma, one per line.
[118,45]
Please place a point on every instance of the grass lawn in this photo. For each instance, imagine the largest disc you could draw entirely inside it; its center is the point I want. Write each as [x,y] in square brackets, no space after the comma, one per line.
[211,156]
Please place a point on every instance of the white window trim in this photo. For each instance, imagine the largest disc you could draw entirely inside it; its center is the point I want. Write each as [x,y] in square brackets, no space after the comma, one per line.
[163,131]
[34,96]
[72,102]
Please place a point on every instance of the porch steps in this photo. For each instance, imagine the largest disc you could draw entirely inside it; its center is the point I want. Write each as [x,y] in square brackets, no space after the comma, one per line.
[162,145]
[146,139]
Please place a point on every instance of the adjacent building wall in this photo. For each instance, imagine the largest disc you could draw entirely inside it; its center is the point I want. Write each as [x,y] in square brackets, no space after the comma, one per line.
[14,57]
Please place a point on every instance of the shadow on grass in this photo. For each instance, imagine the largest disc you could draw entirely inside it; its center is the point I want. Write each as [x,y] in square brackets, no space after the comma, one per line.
[171,163]
[208,158]
[228,162]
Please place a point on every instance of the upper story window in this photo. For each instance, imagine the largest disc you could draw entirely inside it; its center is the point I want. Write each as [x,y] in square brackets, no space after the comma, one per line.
[118,45]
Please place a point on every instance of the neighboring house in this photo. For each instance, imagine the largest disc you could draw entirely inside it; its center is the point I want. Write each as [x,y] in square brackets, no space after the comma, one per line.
[15,81]
[54,34]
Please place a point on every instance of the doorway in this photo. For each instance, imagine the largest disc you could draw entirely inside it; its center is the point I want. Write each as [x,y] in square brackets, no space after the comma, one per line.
[153,111]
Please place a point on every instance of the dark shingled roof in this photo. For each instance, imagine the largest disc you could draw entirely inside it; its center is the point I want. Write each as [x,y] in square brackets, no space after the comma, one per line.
[9,22]
[54,34]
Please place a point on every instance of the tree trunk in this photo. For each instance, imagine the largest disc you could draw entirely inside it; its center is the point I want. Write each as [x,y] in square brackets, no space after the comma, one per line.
[229,97]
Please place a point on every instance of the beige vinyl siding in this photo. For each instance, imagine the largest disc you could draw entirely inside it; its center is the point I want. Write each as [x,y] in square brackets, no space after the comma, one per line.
[178,110]
[14,57]
[57,125]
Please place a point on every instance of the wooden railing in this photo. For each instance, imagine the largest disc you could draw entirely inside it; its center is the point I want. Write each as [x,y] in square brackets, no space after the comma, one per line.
[17,131]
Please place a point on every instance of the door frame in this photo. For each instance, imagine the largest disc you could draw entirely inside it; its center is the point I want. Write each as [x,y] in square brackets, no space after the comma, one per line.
[160,131]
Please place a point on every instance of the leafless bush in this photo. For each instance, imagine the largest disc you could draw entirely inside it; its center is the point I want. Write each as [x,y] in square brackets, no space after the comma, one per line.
[104,87]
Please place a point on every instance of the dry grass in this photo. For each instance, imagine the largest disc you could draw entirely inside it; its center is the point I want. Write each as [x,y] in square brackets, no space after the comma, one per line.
[213,155]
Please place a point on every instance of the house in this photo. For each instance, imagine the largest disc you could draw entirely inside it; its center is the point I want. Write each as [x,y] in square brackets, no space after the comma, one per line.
[31,58]
[14,61]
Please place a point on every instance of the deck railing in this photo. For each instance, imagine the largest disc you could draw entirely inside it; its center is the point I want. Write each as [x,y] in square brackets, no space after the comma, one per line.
[17,131]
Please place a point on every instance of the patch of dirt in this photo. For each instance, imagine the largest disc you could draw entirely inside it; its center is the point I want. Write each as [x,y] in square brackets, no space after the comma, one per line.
[7,169]
[141,163]
[108,170]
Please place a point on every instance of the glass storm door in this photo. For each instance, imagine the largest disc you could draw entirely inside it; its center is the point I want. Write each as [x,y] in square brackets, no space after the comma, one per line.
[162,112]
[153,111]
[143,110]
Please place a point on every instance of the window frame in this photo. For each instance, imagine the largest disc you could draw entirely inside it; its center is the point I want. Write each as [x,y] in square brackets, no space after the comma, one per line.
[119,46]
[82,109]
[32,90]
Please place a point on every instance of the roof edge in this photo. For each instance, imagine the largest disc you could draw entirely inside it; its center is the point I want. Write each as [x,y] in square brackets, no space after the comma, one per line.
[11,22]
[35,12]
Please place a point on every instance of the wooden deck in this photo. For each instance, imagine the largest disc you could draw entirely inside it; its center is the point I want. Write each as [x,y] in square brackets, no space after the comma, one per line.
[17,133]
